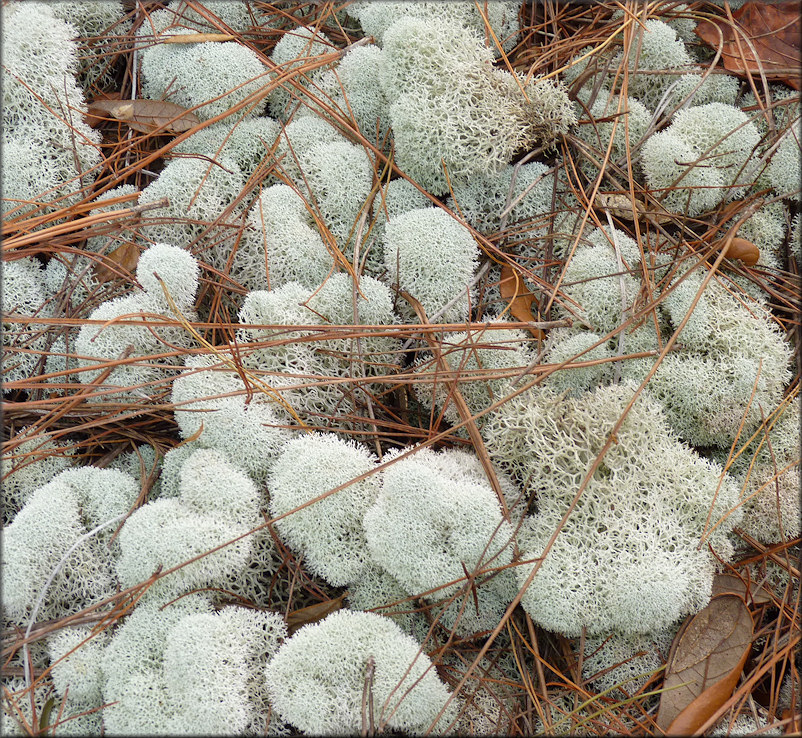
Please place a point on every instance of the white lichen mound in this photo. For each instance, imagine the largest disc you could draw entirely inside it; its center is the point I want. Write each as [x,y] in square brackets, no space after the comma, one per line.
[213,667]
[217,504]
[328,533]
[48,558]
[247,141]
[502,17]
[526,190]
[316,680]
[596,280]
[200,195]
[296,48]
[480,353]
[566,345]
[281,244]
[210,77]
[25,295]
[451,109]
[431,519]
[702,158]
[109,340]
[631,542]
[29,466]
[354,91]
[303,369]
[75,656]
[49,152]
[732,350]
[212,405]
[133,678]
[432,257]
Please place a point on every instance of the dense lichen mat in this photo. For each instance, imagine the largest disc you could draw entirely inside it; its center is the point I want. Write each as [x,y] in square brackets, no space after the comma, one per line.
[399,367]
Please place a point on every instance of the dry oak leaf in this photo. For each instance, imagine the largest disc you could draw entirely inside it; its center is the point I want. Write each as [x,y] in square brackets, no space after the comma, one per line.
[146,116]
[520,299]
[298,618]
[739,248]
[768,31]
[745,589]
[126,257]
[706,660]
[620,206]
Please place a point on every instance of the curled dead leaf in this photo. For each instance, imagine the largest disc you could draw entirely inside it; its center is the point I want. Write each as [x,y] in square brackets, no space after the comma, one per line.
[125,257]
[146,116]
[520,299]
[747,590]
[740,248]
[766,37]
[620,206]
[313,613]
[706,660]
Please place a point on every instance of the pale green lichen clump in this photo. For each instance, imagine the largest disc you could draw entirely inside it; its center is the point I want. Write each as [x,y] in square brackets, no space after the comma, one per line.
[632,538]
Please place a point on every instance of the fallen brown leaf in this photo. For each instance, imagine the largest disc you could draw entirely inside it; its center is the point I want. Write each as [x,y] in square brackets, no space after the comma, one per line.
[95,121]
[767,37]
[313,613]
[730,584]
[793,727]
[620,206]
[520,299]
[739,248]
[126,257]
[196,38]
[146,115]
[706,659]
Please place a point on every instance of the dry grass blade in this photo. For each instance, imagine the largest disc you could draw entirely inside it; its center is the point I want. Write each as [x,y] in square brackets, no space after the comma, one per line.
[197,38]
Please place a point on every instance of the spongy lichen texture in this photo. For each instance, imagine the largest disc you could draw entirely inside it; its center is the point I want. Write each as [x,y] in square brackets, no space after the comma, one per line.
[482,352]
[199,194]
[247,141]
[280,245]
[316,679]
[303,369]
[525,190]
[736,361]
[295,48]
[217,504]
[328,533]
[32,464]
[210,78]
[702,158]
[51,531]
[433,517]
[186,669]
[25,295]
[451,109]
[502,17]
[49,152]
[432,257]
[632,539]
[160,268]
